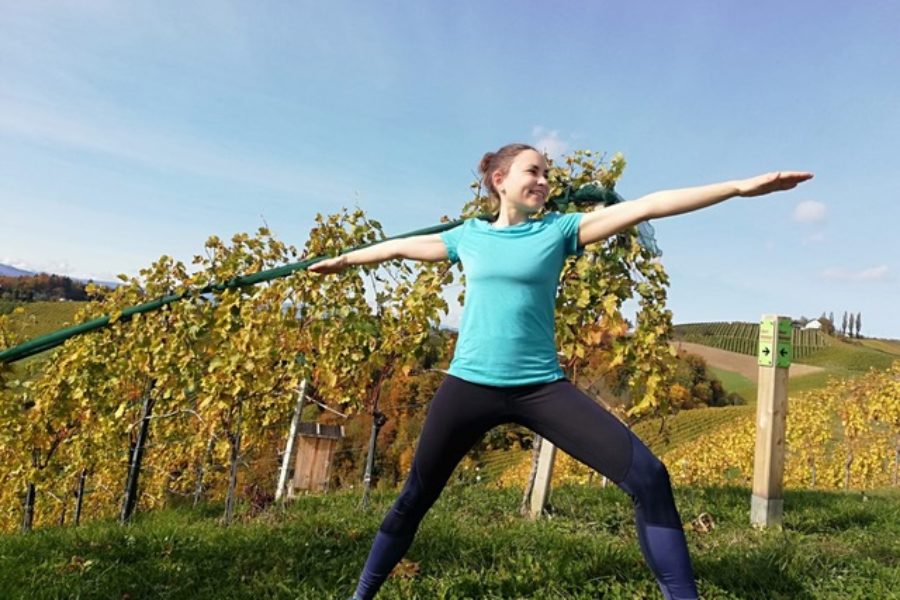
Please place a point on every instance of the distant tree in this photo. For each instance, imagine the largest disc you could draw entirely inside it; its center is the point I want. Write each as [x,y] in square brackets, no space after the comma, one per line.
[850,324]
[831,317]
[41,287]
[844,324]
[827,324]
[858,324]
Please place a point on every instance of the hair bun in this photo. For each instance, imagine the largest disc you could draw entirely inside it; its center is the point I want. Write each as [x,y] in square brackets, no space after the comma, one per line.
[485,163]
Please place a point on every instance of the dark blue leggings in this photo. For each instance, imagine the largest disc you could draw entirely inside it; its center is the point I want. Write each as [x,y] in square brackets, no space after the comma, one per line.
[462,412]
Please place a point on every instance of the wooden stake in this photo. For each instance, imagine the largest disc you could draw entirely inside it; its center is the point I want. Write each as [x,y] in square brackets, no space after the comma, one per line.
[137,456]
[289,445]
[80,496]
[767,500]
[541,491]
[29,509]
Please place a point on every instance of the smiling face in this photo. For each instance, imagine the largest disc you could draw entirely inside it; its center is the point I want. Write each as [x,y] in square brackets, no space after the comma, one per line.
[524,188]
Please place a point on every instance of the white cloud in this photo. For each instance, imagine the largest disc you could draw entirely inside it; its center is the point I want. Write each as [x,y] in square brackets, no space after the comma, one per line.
[879,273]
[809,211]
[548,140]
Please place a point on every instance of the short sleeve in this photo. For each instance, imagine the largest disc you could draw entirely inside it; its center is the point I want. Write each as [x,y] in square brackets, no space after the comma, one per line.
[451,239]
[568,225]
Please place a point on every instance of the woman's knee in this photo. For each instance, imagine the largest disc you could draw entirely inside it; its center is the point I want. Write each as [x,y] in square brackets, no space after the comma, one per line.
[646,470]
[409,508]
[649,485]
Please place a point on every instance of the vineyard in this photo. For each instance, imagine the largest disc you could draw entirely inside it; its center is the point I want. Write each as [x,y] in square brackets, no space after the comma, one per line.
[843,436]
[192,403]
[743,338]
[679,429]
[846,435]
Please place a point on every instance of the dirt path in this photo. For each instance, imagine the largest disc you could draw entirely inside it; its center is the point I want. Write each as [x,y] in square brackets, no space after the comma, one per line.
[739,363]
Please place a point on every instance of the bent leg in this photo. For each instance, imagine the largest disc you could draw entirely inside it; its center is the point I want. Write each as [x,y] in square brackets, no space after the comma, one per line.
[573,422]
[460,414]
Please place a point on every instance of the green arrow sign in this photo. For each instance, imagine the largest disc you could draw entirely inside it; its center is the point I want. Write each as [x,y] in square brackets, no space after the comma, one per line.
[766,342]
[784,348]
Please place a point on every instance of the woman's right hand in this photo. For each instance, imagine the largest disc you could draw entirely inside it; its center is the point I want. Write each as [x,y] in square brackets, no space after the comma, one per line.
[330,265]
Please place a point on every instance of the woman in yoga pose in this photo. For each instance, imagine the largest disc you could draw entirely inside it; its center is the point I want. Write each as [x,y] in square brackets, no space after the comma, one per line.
[505,368]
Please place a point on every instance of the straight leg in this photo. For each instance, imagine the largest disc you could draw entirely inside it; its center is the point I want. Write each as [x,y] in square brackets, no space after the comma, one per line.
[460,414]
[573,422]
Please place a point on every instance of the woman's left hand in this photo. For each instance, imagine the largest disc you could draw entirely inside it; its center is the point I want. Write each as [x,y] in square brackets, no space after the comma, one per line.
[771,182]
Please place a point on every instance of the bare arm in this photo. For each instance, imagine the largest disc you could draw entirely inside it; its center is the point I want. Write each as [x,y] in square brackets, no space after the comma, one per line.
[606,221]
[429,248]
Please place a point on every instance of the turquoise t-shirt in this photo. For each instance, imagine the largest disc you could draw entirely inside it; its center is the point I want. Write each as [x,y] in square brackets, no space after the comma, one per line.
[507,334]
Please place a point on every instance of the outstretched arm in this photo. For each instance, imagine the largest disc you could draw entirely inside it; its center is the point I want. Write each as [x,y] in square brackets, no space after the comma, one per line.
[429,248]
[606,221]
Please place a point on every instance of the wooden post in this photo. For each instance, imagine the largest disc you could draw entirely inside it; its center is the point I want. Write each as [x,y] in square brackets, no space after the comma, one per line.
[774,359]
[235,439]
[289,446]
[525,506]
[541,491]
[378,421]
[198,489]
[79,494]
[137,456]
[28,519]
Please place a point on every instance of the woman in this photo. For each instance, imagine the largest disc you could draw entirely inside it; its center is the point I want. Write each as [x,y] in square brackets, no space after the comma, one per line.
[505,367]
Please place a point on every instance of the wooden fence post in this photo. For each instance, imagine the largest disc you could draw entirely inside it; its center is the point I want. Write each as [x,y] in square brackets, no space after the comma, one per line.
[28,519]
[378,421]
[134,470]
[235,439]
[541,491]
[79,494]
[289,446]
[774,359]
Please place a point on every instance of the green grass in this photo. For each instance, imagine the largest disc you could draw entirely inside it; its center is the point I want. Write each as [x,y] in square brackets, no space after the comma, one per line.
[888,346]
[842,357]
[737,383]
[472,545]
[41,318]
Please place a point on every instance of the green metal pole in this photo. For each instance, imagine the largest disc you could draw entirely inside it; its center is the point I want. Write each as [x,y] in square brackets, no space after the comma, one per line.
[52,340]
[586,195]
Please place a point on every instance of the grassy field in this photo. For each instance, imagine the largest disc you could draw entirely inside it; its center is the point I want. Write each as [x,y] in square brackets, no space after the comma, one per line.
[737,383]
[888,346]
[840,359]
[472,545]
[40,318]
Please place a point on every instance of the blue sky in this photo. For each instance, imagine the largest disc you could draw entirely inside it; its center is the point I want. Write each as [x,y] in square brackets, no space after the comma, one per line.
[131,130]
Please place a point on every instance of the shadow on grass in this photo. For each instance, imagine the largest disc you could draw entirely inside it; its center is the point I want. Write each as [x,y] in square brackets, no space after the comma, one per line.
[751,575]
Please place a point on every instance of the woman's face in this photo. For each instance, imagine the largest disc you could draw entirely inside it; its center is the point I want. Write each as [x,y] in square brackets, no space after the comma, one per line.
[525,185]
